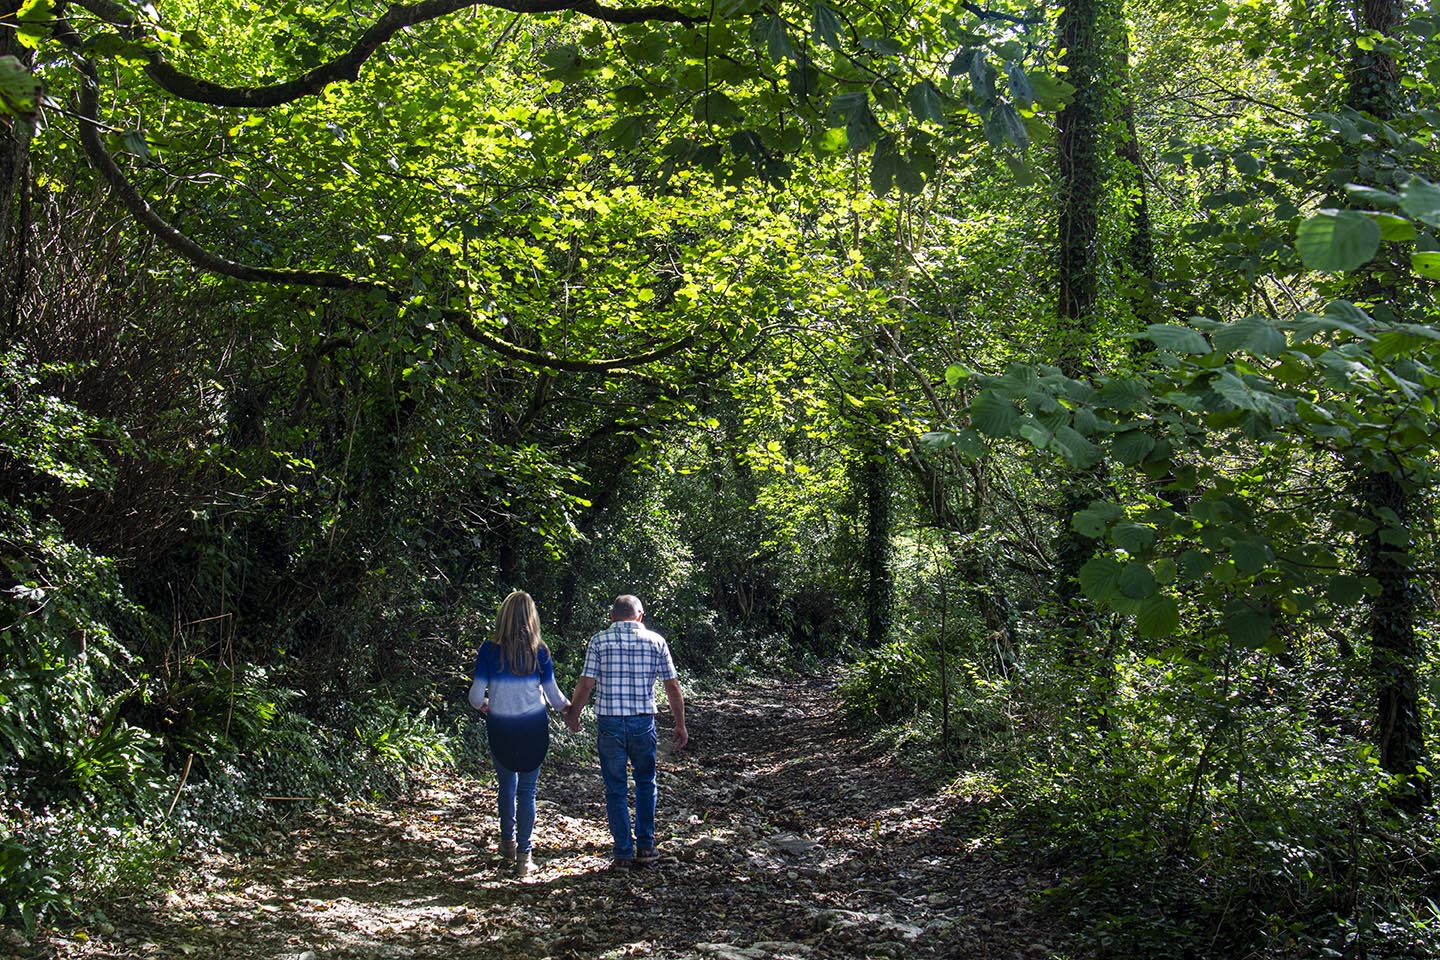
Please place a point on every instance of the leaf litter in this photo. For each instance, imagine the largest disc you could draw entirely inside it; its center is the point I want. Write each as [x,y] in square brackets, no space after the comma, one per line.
[782,837]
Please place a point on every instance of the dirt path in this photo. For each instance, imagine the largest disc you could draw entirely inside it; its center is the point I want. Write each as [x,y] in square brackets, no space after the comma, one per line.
[782,837]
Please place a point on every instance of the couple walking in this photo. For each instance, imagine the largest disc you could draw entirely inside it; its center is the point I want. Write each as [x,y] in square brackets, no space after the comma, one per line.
[513,671]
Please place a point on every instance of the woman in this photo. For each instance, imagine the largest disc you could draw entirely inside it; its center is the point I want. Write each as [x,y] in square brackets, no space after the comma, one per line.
[514,669]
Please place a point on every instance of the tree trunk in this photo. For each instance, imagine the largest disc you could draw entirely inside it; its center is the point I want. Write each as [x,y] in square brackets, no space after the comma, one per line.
[1079,135]
[14,189]
[879,588]
[1374,87]
[1394,647]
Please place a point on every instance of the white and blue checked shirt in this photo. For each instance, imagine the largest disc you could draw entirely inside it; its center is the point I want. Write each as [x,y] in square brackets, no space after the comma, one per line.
[625,660]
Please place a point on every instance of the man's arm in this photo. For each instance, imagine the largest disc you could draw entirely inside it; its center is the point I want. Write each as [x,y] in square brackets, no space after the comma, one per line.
[677,710]
[583,688]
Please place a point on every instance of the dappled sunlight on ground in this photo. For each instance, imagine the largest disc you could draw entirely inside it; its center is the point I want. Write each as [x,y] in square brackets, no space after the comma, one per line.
[781,837]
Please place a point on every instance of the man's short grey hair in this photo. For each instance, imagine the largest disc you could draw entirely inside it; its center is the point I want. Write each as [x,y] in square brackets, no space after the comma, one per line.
[626,607]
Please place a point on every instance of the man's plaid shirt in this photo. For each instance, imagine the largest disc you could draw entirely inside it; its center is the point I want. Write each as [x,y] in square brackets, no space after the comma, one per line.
[625,660]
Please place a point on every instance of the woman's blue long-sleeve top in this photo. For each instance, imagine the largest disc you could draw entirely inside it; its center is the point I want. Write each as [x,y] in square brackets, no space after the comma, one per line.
[518,728]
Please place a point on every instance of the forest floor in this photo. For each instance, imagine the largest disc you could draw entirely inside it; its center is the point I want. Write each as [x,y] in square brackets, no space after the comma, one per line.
[782,836]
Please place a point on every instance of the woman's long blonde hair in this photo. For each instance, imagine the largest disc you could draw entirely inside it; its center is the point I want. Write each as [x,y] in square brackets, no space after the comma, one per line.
[517,634]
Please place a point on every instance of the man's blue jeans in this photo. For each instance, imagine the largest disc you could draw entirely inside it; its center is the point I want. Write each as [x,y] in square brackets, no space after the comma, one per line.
[515,796]
[629,740]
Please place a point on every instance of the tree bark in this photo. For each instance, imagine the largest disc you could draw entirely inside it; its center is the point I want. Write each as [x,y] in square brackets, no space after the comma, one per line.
[1079,135]
[1374,87]
[14,188]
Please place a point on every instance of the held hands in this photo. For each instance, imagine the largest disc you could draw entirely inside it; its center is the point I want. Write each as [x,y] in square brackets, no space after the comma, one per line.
[571,715]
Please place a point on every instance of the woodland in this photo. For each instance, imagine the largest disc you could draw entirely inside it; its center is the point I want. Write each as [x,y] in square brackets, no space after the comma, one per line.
[1043,394]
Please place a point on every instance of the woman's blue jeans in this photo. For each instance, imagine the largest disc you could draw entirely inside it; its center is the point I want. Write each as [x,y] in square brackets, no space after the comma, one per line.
[515,796]
[622,741]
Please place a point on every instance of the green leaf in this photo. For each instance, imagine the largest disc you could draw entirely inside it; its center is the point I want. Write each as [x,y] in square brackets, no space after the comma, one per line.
[927,102]
[1037,435]
[35,18]
[1362,194]
[956,373]
[1158,617]
[1253,333]
[827,27]
[1020,89]
[1100,578]
[852,109]
[1177,339]
[884,165]
[1334,241]
[1012,125]
[1121,393]
[993,415]
[1137,581]
[1050,92]
[1250,556]
[1077,450]
[1426,264]
[1345,590]
[1421,199]
[1194,564]
[1249,628]
[19,90]
[1089,523]
[1131,447]
[768,33]
[885,46]
[1133,538]
[1394,229]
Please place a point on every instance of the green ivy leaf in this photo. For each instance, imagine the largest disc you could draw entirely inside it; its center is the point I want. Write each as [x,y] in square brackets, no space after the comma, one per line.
[1334,241]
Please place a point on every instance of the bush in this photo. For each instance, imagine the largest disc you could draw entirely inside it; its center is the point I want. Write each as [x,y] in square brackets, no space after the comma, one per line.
[888,684]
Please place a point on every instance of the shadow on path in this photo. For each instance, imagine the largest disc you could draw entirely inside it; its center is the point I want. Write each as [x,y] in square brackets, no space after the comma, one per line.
[782,836]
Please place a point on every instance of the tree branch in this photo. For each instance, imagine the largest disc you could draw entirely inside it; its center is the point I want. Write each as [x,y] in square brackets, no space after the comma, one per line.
[140,209]
[346,66]
[984,14]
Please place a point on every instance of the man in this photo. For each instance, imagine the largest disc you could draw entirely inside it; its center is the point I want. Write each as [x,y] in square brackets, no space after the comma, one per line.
[622,664]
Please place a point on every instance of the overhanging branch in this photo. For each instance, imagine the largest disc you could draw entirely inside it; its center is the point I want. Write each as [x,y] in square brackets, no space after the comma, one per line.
[181,243]
[346,66]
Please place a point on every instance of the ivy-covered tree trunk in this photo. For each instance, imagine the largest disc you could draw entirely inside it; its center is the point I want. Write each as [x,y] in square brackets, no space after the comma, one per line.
[1394,647]
[14,185]
[879,587]
[1140,248]
[1079,138]
[1081,142]
[1374,87]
